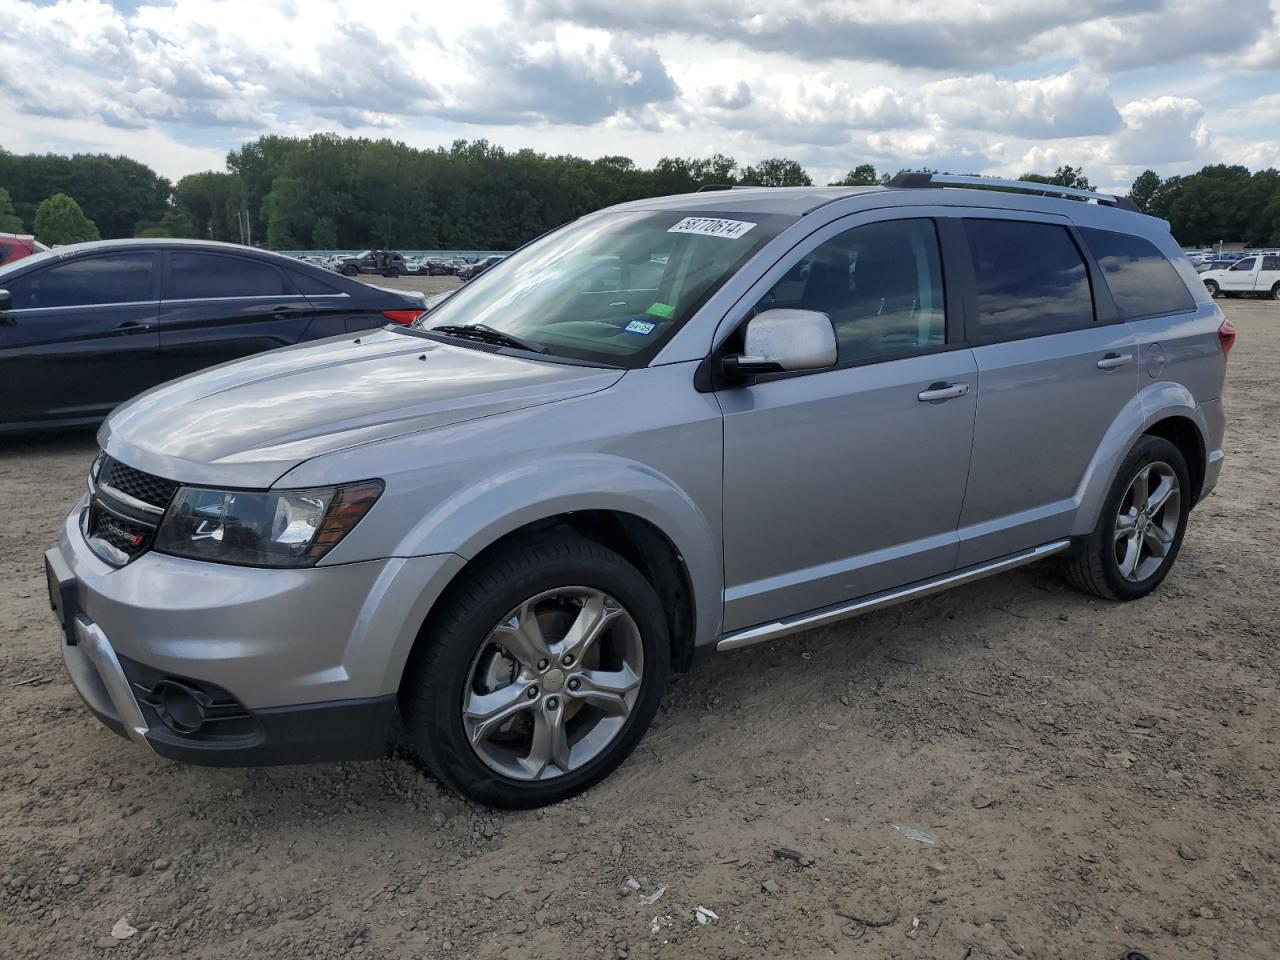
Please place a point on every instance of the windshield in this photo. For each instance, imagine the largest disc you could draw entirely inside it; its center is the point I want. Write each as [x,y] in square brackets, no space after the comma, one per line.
[610,288]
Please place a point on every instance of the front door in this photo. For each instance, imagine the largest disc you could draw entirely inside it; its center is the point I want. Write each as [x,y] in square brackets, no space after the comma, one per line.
[845,482]
[1241,276]
[80,337]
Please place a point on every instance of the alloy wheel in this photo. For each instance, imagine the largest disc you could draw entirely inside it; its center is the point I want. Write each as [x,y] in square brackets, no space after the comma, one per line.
[553,683]
[1147,522]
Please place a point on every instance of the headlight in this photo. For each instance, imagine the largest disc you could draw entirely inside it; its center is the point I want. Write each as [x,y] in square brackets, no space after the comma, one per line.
[273,528]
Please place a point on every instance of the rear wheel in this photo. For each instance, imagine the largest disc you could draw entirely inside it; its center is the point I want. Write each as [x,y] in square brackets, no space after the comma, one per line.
[1275,292]
[1212,287]
[539,675]
[1141,527]
[393,272]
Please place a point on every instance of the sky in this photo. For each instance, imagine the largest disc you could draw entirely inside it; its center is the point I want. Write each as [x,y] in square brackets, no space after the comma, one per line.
[997,87]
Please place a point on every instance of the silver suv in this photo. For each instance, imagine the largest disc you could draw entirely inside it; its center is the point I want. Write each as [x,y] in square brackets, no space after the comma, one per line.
[495,533]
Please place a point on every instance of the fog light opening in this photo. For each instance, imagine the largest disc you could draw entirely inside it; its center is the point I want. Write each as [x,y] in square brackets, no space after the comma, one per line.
[178,707]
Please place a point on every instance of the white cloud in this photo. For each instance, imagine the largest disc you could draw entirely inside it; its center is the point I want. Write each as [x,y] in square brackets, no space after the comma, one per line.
[998,86]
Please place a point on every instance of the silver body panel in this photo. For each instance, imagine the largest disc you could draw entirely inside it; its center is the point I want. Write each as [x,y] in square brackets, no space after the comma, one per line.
[788,500]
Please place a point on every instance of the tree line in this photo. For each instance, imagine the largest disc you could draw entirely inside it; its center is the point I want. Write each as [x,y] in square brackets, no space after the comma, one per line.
[332,192]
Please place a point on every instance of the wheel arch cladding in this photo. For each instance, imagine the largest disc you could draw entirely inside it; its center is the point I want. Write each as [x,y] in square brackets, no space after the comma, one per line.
[635,539]
[1183,433]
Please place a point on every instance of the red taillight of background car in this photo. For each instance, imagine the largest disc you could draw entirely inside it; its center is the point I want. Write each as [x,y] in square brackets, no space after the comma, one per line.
[1227,336]
[403,317]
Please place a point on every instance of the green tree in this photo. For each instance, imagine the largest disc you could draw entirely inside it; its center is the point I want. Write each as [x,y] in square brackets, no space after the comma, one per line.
[59,219]
[1064,176]
[776,172]
[1144,190]
[10,222]
[863,175]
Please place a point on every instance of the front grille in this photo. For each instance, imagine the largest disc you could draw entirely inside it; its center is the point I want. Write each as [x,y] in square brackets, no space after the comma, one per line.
[127,537]
[125,508]
[146,487]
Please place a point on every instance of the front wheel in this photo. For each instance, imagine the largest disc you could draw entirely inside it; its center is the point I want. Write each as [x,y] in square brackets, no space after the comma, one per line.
[1275,292]
[1212,287]
[1143,521]
[350,271]
[539,674]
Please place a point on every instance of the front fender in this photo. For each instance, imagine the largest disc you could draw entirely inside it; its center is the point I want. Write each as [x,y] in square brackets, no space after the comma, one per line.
[489,508]
[1156,402]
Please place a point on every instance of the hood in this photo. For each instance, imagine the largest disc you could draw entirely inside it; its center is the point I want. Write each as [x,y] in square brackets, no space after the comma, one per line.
[249,422]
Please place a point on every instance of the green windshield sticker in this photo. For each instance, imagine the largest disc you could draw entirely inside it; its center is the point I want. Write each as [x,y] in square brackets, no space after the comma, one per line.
[664,310]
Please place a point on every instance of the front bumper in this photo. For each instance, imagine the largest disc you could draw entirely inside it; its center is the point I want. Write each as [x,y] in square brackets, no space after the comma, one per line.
[286,665]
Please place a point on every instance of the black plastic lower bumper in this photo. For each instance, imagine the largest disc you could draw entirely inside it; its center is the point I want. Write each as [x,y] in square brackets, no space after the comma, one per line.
[309,733]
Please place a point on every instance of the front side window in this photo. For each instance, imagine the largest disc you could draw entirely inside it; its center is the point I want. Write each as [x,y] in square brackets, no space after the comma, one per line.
[662,265]
[1246,264]
[84,281]
[1031,279]
[1142,282]
[881,285]
[206,276]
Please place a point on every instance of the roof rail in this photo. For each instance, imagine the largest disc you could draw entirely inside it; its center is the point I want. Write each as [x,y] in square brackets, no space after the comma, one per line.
[709,187]
[1027,186]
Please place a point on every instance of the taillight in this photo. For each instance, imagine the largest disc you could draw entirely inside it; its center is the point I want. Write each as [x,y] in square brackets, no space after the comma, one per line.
[403,317]
[1227,336]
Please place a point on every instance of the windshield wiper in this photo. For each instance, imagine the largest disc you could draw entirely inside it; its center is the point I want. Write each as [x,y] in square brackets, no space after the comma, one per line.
[487,334]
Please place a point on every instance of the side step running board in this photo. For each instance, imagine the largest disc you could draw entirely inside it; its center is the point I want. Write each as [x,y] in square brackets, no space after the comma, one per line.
[820,618]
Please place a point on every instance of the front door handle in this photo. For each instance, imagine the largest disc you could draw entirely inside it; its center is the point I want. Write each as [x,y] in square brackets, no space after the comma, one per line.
[130,325]
[1113,360]
[938,392]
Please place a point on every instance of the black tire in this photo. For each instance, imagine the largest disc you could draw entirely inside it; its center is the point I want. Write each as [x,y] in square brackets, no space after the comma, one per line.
[438,672]
[1212,287]
[1093,566]
[1275,292]
[392,273]
[350,272]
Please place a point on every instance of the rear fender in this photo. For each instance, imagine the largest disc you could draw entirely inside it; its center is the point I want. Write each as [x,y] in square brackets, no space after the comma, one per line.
[1158,401]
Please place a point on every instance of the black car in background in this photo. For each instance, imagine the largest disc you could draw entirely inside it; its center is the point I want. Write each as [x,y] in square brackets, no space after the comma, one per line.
[85,327]
[473,270]
[386,263]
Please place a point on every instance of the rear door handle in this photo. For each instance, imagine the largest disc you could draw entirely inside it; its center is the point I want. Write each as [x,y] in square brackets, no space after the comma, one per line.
[937,392]
[132,325]
[1113,360]
[285,309]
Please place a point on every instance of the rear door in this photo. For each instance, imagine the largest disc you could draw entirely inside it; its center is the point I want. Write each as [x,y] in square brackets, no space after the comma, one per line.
[80,337]
[1052,380]
[218,306]
[1268,279]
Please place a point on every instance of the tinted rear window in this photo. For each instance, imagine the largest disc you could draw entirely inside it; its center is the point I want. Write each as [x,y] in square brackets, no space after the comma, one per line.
[1143,282]
[309,283]
[1031,279]
[206,276]
[85,281]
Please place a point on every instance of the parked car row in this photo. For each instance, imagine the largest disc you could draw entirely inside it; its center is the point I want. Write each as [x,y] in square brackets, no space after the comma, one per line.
[87,326]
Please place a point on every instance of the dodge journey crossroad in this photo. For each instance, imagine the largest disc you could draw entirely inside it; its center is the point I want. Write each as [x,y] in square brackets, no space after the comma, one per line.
[678,426]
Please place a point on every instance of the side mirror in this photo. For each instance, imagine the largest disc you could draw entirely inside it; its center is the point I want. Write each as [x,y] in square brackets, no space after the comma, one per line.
[785,341]
[6,301]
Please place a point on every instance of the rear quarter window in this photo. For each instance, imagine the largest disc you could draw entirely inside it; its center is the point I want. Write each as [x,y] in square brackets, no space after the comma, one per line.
[1142,281]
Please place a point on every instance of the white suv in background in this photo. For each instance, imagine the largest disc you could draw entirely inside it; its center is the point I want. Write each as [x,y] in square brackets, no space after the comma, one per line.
[1258,274]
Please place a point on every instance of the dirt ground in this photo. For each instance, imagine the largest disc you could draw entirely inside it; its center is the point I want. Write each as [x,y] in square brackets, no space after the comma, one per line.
[1095,778]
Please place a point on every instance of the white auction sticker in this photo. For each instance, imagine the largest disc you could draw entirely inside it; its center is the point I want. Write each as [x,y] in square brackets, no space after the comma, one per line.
[712,227]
